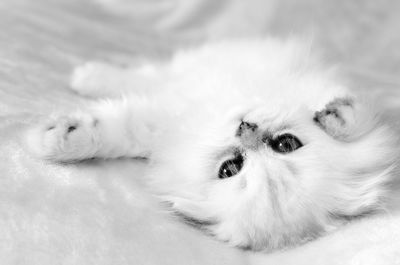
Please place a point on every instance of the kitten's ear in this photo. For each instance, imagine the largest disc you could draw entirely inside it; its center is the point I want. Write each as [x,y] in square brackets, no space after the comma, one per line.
[346,119]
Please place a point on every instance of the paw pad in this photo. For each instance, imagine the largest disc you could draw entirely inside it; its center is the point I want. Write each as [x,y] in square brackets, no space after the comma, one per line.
[64,138]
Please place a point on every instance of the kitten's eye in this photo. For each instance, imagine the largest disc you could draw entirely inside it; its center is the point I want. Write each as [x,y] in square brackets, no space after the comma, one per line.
[231,167]
[286,143]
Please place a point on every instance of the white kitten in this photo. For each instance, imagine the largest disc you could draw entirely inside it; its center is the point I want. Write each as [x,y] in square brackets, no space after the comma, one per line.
[252,140]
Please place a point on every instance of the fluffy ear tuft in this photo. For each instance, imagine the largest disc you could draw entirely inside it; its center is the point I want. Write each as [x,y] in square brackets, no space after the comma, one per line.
[346,119]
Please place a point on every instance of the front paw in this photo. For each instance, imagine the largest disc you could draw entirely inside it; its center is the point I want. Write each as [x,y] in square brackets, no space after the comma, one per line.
[64,138]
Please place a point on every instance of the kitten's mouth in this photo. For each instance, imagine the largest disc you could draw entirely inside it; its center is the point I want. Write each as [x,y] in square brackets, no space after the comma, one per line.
[231,167]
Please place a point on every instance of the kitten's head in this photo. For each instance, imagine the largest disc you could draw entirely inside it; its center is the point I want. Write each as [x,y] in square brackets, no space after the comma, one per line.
[280,170]
[270,179]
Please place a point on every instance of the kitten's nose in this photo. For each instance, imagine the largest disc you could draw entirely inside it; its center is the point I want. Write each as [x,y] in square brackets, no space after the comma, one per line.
[248,133]
[246,127]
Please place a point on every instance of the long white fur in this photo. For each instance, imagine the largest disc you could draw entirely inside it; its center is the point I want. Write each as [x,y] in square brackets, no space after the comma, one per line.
[183,115]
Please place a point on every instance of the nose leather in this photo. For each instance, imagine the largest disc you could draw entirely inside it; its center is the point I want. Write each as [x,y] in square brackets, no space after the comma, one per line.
[247,126]
[249,135]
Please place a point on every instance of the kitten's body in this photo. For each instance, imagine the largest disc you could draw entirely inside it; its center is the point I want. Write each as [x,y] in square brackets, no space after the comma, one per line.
[187,116]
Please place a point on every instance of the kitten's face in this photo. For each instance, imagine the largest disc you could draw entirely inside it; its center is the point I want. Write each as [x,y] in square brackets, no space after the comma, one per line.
[268,179]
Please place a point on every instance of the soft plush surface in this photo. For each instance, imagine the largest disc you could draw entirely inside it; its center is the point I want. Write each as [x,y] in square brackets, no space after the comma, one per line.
[97,212]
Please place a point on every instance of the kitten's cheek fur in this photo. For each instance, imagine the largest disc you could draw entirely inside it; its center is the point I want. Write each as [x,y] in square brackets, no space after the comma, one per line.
[64,139]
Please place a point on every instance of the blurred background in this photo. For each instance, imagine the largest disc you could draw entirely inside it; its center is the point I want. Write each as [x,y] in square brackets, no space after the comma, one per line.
[89,213]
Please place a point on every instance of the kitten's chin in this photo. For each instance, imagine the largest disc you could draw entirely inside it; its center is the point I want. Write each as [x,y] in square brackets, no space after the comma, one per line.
[250,234]
[252,228]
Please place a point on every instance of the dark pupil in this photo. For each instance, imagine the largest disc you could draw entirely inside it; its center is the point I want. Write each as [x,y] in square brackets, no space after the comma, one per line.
[231,167]
[286,143]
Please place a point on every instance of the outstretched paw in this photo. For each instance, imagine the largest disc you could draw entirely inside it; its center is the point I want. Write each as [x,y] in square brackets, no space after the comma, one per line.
[65,138]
